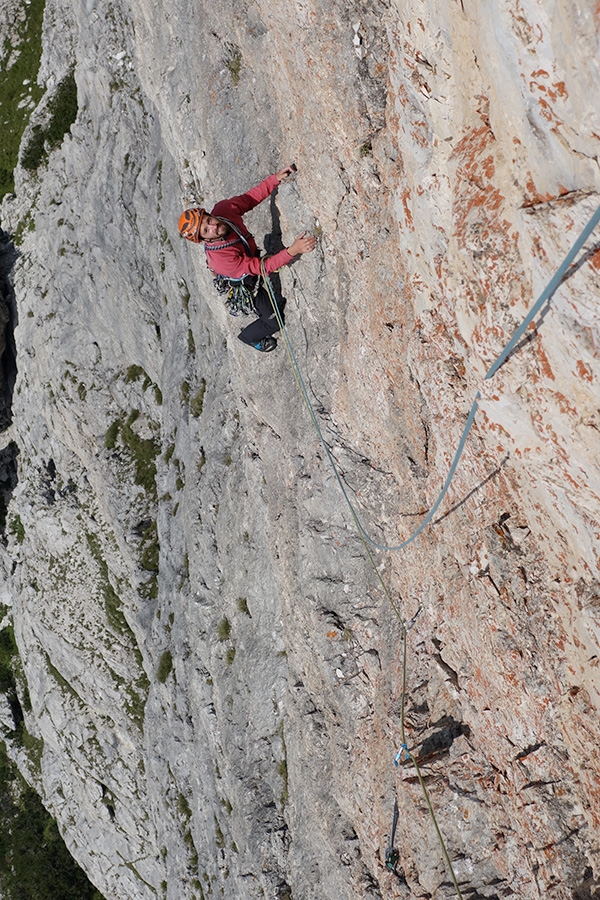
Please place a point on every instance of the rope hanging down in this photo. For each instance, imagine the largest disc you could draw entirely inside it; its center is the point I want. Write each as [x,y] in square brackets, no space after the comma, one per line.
[368,551]
[544,297]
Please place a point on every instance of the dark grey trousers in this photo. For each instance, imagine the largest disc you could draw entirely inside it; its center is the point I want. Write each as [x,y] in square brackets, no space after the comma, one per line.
[266,324]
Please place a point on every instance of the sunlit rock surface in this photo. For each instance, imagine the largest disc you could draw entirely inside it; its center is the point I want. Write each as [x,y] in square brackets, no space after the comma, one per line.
[212,662]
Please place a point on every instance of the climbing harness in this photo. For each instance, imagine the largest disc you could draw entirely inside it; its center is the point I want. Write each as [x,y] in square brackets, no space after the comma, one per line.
[392,857]
[239,294]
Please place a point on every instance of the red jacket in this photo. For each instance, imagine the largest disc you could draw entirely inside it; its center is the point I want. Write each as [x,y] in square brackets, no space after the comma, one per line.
[233,260]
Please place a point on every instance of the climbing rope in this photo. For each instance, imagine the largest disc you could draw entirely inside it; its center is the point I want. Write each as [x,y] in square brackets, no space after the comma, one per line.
[391,600]
[544,297]
[391,853]
[546,294]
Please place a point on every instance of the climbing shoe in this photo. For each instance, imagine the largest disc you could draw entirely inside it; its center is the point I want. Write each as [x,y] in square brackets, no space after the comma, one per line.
[266,344]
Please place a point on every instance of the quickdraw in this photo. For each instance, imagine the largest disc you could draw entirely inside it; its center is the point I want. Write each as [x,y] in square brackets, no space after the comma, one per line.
[392,857]
[239,298]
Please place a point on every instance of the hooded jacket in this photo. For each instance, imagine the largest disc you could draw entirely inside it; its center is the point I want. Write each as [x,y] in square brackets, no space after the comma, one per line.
[229,256]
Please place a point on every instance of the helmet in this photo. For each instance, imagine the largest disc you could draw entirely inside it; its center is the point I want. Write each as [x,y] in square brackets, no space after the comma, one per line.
[189,224]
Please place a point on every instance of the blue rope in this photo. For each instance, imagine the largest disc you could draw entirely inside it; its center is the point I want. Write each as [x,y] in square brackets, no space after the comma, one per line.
[442,494]
[309,406]
[544,297]
[546,294]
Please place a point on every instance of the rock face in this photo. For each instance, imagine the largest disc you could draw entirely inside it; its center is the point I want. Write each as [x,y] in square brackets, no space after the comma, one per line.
[212,662]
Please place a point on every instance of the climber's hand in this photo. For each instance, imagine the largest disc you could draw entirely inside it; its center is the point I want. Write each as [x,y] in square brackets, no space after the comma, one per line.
[304,243]
[285,173]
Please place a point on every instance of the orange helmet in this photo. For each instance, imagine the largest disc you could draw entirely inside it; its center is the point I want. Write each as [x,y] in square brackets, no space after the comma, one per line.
[189,224]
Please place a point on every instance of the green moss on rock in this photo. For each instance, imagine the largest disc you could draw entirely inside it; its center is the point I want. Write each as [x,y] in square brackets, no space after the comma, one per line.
[61,113]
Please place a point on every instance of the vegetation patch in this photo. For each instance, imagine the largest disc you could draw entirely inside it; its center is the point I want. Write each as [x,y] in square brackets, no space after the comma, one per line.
[110,439]
[219,837]
[282,769]
[11,675]
[184,807]
[19,89]
[149,589]
[61,680]
[144,452]
[197,403]
[8,482]
[149,557]
[224,629]
[112,602]
[184,810]
[137,694]
[165,667]
[27,223]
[197,885]
[150,548]
[137,689]
[185,295]
[233,63]
[242,605]
[8,683]
[193,853]
[35,860]
[17,528]
[60,115]
[32,746]
[132,868]
[134,373]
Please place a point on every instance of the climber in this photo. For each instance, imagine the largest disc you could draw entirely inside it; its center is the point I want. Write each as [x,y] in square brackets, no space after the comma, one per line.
[232,254]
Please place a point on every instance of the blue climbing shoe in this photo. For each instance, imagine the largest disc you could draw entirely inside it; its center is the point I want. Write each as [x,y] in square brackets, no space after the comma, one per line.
[266,344]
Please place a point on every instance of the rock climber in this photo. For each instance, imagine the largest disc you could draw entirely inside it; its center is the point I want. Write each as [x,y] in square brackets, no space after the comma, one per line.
[231,252]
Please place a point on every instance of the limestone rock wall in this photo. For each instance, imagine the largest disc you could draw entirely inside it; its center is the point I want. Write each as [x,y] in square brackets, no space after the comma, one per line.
[211,661]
